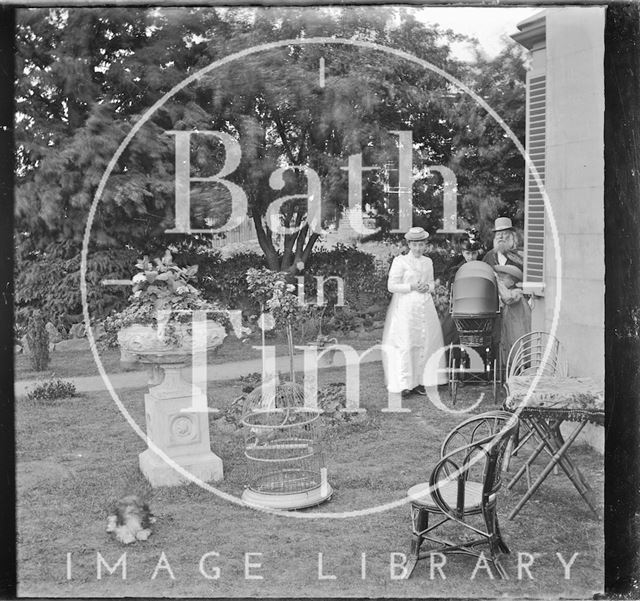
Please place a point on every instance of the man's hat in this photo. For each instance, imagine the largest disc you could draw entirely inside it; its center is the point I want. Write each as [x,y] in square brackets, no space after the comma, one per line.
[415,234]
[502,223]
[512,270]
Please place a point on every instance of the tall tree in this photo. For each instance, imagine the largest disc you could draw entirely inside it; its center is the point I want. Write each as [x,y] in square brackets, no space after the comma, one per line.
[86,76]
[285,117]
[489,167]
[96,71]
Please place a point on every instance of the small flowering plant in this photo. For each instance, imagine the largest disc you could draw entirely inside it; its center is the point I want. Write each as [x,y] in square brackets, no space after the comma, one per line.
[274,294]
[163,297]
[278,301]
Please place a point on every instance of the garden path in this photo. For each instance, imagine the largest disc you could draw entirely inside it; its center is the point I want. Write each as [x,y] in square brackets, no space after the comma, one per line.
[215,372]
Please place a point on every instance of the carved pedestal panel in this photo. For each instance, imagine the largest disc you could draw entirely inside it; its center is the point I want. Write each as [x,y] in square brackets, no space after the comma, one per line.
[179,434]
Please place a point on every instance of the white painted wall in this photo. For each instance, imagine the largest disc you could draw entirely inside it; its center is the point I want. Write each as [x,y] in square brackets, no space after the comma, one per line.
[575,182]
[573,59]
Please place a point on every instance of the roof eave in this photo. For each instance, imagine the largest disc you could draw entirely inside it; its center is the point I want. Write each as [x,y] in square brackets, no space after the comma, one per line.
[532,32]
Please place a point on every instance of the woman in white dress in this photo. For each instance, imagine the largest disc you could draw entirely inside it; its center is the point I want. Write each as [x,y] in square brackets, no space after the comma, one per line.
[412,330]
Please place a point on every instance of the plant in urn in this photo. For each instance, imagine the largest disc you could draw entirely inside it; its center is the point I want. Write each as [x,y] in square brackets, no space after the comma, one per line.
[167,324]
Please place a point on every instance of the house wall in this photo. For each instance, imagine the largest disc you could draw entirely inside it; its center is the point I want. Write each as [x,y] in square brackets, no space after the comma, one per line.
[575,185]
[571,55]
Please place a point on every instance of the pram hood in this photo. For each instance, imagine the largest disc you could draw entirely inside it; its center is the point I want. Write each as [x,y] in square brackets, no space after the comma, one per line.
[475,290]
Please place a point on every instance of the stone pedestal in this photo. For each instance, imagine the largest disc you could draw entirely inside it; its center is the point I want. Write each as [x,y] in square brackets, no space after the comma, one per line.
[178,431]
[207,467]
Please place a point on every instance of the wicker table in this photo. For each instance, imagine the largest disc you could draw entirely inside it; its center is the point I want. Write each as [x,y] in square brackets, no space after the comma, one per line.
[553,401]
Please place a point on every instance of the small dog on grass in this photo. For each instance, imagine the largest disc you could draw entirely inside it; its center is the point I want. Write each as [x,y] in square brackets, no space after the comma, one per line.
[130,520]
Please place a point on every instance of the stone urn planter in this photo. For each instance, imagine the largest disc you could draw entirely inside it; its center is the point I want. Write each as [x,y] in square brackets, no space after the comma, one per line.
[144,341]
[172,424]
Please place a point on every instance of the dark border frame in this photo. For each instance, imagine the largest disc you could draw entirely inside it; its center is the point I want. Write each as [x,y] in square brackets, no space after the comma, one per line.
[622,280]
[622,298]
[8,574]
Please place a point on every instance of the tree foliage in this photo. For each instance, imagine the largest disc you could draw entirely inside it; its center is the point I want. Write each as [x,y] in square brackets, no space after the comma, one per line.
[488,165]
[87,76]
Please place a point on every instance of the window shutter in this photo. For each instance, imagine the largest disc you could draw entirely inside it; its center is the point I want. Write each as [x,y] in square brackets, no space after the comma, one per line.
[534,201]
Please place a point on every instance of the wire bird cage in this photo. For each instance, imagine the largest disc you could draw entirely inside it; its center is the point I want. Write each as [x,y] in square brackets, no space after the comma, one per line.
[283,449]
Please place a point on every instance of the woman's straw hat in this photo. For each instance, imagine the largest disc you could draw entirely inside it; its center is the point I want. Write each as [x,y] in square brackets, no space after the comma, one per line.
[512,270]
[415,234]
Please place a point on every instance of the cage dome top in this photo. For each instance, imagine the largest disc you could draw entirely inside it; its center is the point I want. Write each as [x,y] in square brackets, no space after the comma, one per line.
[272,396]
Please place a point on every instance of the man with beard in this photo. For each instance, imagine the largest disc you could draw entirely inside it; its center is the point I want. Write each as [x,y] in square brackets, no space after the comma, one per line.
[504,251]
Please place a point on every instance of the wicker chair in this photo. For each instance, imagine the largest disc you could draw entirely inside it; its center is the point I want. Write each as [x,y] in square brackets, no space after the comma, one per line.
[464,484]
[525,358]
[526,354]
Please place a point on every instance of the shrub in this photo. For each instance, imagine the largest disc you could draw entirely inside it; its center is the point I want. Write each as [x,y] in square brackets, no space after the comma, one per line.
[49,280]
[365,286]
[51,390]
[225,280]
[332,399]
[345,319]
[441,258]
[441,300]
[232,413]
[250,381]
[365,278]
[38,341]
[338,422]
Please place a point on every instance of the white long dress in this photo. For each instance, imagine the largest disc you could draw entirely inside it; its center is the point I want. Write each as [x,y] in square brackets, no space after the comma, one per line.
[412,328]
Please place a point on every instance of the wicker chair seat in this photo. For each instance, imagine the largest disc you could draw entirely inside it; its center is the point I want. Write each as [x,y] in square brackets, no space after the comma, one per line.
[420,495]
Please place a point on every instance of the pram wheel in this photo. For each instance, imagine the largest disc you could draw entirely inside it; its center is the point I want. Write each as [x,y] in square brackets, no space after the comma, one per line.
[453,390]
[453,374]
[497,378]
[459,370]
[463,370]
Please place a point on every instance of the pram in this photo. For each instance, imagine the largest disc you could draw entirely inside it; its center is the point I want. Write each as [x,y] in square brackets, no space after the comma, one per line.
[474,308]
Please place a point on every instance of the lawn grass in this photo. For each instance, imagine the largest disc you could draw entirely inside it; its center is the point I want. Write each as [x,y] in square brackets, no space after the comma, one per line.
[76,456]
[69,364]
